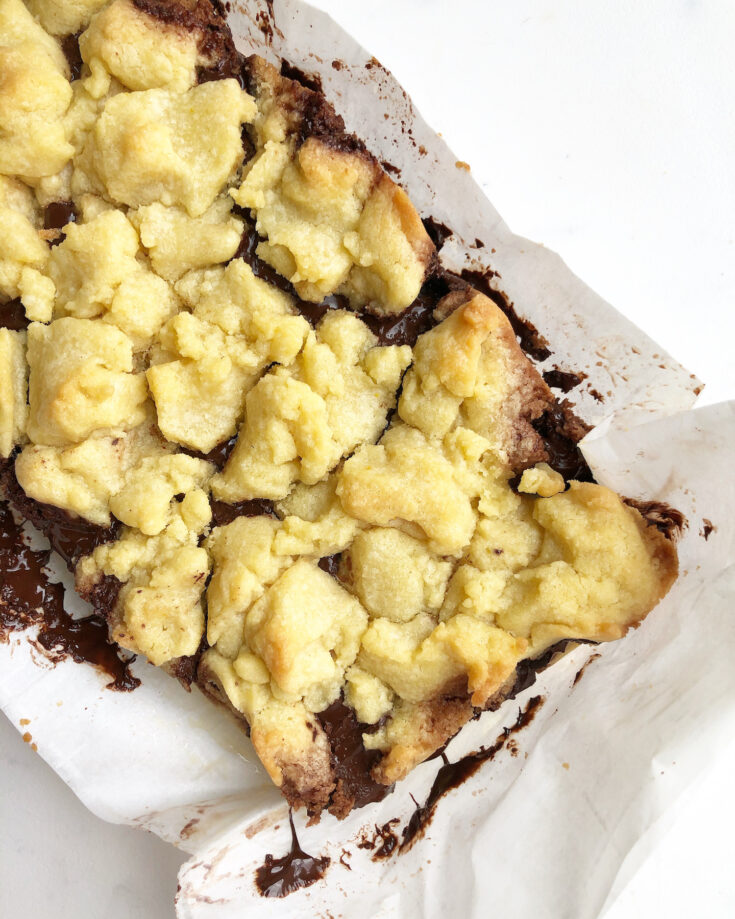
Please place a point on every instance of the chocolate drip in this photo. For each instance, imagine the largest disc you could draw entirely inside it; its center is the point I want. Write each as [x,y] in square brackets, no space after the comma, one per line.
[352,762]
[72,537]
[310,81]
[28,597]
[223,513]
[527,670]
[70,47]
[278,877]
[561,430]
[13,316]
[564,380]
[452,775]
[668,520]
[438,232]
[529,337]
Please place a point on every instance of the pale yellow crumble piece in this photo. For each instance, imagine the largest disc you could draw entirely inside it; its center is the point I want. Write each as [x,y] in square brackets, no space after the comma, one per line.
[208,359]
[306,628]
[411,482]
[81,381]
[313,521]
[469,371]
[17,196]
[419,659]
[244,565]
[541,480]
[23,259]
[600,567]
[295,753]
[34,96]
[368,696]
[159,609]
[83,478]
[177,243]
[97,274]
[395,576]
[140,52]
[177,149]
[334,222]
[145,500]
[13,390]
[301,420]
[64,17]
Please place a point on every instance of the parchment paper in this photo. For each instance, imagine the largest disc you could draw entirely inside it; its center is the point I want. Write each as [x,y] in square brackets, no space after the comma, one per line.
[543,832]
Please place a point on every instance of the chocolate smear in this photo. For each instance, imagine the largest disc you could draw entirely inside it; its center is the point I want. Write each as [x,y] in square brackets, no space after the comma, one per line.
[529,337]
[70,47]
[565,380]
[330,564]
[28,597]
[707,528]
[352,763]
[580,672]
[13,316]
[561,430]
[668,520]
[452,775]
[438,232]
[278,877]
[311,81]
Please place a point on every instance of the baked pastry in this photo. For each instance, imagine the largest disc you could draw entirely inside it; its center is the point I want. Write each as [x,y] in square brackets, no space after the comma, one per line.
[318,467]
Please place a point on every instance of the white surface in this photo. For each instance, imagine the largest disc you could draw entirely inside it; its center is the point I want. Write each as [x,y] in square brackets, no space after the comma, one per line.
[628,133]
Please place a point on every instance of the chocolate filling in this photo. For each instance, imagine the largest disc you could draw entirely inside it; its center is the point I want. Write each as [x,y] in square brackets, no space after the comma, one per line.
[218,455]
[13,316]
[438,232]
[72,537]
[355,786]
[28,597]
[57,214]
[561,430]
[70,47]
[278,877]
[223,513]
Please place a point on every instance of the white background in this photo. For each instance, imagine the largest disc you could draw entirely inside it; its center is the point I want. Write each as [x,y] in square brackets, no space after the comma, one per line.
[606,130]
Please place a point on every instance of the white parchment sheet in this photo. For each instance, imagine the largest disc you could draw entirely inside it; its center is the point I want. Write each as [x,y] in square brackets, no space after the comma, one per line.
[541,833]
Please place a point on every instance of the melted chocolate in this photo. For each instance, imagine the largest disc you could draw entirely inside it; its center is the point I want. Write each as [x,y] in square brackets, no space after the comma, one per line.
[403,328]
[13,316]
[28,597]
[57,214]
[529,337]
[352,762]
[219,455]
[310,81]
[452,775]
[668,520]
[384,840]
[278,877]
[223,513]
[527,670]
[561,430]
[438,232]
[564,380]
[72,537]
[330,564]
[707,528]
[70,47]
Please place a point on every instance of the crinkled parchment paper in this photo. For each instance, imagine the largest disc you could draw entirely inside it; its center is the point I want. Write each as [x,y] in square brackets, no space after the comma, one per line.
[547,826]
